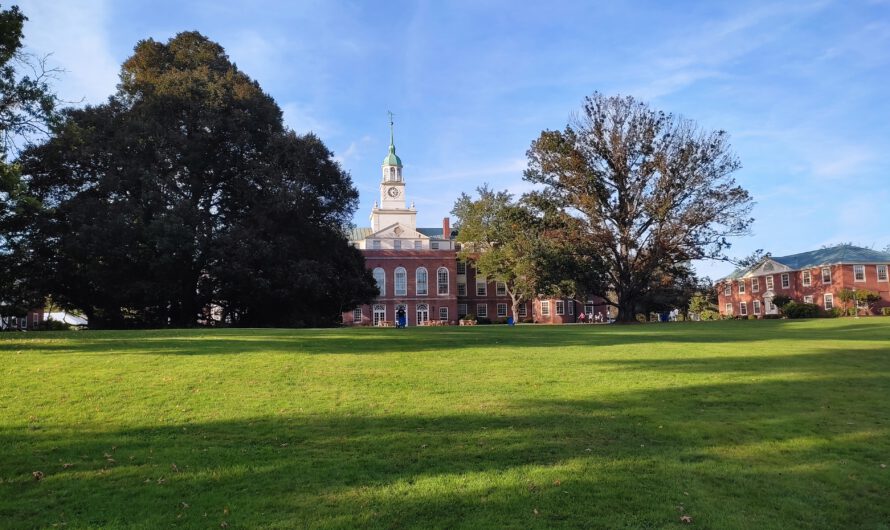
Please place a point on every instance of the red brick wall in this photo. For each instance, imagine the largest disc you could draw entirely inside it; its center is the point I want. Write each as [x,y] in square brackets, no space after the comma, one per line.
[841,277]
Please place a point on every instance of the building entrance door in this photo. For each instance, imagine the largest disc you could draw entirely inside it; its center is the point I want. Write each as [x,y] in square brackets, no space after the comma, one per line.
[379,314]
[404,311]
[423,314]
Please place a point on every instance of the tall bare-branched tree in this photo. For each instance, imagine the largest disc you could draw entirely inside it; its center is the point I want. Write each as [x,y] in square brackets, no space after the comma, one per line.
[645,190]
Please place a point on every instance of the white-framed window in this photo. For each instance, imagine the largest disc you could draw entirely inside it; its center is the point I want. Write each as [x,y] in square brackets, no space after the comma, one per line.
[397,244]
[786,281]
[461,310]
[560,307]
[502,310]
[522,310]
[770,307]
[418,245]
[727,289]
[500,289]
[357,314]
[571,307]
[770,282]
[728,308]
[755,285]
[24,324]
[422,281]
[461,267]
[858,273]
[443,314]
[808,299]
[482,310]
[375,244]
[743,309]
[826,274]
[828,301]
[545,308]
[881,272]
[806,279]
[442,275]
[380,278]
[481,287]
[379,314]
[756,304]
[741,286]
[461,289]
[434,245]
[401,282]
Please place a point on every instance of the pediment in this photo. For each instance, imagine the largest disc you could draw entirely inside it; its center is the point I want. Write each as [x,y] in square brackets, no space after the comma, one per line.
[769,266]
[396,231]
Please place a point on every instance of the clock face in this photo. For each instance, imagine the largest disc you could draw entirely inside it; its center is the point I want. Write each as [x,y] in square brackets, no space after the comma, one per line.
[393,192]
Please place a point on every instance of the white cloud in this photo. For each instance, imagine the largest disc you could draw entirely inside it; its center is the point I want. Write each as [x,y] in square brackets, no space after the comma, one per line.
[302,119]
[75,34]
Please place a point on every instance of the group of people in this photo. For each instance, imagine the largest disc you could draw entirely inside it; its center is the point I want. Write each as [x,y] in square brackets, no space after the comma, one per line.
[590,319]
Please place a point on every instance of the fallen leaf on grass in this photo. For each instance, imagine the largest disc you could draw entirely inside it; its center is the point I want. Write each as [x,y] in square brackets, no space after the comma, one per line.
[223,524]
[66,466]
[535,511]
[686,519]
[38,475]
[174,468]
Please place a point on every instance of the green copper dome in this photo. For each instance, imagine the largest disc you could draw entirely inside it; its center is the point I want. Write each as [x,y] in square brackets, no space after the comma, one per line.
[392,159]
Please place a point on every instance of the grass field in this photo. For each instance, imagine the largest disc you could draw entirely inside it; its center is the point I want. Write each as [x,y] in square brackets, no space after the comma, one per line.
[766,424]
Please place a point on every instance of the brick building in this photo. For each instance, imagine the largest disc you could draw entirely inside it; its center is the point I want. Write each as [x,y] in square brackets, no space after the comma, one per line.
[813,277]
[417,270]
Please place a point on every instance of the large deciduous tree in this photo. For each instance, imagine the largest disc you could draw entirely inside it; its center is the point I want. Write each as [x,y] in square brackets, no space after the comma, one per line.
[184,199]
[27,108]
[501,238]
[646,190]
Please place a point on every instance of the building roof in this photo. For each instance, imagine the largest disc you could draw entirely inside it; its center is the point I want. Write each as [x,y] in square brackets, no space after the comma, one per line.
[840,254]
[847,254]
[392,159]
[362,232]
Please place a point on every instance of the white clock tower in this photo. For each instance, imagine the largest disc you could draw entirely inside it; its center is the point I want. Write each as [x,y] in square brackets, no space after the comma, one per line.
[392,206]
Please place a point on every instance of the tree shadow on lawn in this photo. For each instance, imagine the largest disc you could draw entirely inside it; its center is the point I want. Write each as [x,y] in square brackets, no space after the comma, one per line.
[771,454]
[377,341]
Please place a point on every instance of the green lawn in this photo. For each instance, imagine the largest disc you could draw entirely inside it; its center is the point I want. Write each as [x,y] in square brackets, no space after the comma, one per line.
[737,424]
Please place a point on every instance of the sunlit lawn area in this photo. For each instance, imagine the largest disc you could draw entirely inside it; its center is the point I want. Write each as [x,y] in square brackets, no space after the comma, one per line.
[766,424]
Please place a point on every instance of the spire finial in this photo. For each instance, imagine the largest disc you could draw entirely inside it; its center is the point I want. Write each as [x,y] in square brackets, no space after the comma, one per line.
[392,145]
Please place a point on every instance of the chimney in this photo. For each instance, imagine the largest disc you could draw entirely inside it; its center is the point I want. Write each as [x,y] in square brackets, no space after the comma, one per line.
[446,228]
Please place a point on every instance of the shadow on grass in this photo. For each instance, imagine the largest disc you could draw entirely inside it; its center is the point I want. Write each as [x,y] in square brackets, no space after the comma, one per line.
[364,341]
[770,454]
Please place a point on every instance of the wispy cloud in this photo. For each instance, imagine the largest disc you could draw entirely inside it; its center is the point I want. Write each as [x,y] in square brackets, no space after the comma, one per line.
[76,36]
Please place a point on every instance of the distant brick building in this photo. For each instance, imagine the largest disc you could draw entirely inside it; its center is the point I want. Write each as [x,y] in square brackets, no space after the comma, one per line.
[813,277]
[417,270]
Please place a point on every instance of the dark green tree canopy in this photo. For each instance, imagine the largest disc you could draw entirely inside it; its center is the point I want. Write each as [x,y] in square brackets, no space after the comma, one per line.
[646,190]
[184,200]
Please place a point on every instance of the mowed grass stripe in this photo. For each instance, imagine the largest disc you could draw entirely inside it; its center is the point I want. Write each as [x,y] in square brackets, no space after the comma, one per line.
[766,424]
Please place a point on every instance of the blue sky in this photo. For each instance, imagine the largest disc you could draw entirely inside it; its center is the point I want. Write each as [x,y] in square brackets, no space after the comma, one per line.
[802,88]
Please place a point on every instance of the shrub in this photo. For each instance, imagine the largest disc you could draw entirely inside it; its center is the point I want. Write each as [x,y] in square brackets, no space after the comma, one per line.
[471,316]
[752,317]
[800,310]
[771,317]
[885,311]
[782,300]
[834,312]
[483,320]
[641,318]
[681,317]
[709,314]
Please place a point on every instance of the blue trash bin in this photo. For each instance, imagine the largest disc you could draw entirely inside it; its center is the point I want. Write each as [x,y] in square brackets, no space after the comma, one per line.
[510,321]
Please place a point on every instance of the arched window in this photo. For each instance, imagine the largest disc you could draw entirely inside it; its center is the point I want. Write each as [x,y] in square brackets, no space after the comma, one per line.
[401,282]
[422,281]
[380,278]
[442,275]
